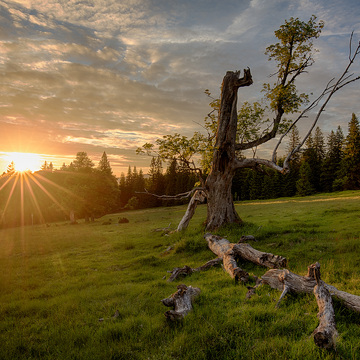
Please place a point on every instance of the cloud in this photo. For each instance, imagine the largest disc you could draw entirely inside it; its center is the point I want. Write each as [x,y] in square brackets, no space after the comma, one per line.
[111,74]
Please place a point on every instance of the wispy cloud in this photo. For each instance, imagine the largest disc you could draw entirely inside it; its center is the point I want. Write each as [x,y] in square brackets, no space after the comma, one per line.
[109,75]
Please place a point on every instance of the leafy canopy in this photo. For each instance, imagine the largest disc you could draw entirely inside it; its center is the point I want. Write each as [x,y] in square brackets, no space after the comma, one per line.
[293,54]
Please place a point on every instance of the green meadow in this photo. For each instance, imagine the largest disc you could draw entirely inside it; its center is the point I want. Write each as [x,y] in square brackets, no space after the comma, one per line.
[61,284]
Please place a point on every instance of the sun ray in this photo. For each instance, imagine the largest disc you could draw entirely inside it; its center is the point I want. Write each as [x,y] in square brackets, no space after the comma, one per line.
[5,183]
[48,193]
[42,219]
[9,197]
[22,208]
[67,191]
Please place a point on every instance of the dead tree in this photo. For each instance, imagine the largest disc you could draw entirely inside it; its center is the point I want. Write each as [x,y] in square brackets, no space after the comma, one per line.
[294,61]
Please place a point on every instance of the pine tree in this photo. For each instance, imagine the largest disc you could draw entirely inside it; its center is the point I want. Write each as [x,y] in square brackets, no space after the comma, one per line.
[314,156]
[82,162]
[104,165]
[289,183]
[331,165]
[171,178]
[303,184]
[11,168]
[351,160]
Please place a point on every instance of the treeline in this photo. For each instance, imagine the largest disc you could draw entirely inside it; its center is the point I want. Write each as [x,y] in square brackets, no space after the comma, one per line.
[325,165]
[79,190]
[82,191]
[174,181]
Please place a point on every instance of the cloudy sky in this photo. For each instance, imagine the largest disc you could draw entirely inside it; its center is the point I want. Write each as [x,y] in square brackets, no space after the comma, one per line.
[95,75]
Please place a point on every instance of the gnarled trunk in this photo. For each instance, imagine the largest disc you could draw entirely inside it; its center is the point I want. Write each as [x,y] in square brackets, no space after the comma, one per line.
[220,205]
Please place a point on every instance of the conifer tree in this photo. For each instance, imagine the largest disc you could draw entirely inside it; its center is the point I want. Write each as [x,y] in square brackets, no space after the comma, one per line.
[303,184]
[351,160]
[104,165]
[332,161]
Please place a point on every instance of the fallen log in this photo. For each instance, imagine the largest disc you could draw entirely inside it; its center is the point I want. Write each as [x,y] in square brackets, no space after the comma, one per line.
[187,270]
[286,281]
[181,300]
[224,249]
[247,252]
[325,334]
[230,252]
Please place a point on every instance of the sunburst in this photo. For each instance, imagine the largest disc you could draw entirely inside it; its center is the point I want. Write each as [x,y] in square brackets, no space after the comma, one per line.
[24,161]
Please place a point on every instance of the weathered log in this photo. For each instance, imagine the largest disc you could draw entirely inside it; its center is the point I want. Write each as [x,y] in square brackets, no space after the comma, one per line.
[181,300]
[187,270]
[286,281]
[325,334]
[230,252]
[247,252]
[224,249]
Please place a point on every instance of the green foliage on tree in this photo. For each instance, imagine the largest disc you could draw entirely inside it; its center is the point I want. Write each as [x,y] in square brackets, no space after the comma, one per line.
[303,184]
[351,159]
[104,165]
[293,54]
[82,162]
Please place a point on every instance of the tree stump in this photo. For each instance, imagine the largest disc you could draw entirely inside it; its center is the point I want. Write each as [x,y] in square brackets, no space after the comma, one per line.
[181,300]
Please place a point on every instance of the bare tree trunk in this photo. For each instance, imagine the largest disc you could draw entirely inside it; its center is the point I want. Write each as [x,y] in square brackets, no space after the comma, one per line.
[220,206]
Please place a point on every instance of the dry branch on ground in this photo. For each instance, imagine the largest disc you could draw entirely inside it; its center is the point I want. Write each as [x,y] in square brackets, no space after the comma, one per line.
[181,300]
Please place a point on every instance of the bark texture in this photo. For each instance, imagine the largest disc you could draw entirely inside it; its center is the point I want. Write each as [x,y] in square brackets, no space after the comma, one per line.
[286,281]
[325,334]
[181,300]
[198,198]
[230,252]
[223,249]
[220,206]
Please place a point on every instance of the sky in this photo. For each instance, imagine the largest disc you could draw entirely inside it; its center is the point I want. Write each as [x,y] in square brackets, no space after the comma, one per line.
[110,75]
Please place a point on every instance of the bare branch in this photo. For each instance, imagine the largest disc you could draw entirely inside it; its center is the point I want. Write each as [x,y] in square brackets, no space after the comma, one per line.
[334,89]
[255,163]
[181,196]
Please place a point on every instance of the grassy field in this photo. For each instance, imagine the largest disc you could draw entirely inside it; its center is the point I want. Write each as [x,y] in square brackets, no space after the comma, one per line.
[60,286]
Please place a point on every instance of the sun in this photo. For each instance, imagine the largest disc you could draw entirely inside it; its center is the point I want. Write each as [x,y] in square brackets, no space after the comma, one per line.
[25,161]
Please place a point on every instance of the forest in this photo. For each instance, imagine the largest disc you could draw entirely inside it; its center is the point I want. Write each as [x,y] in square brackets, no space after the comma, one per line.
[326,164]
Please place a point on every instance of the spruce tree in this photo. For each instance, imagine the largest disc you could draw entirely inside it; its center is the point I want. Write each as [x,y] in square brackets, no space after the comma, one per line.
[289,184]
[351,160]
[303,184]
[104,165]
[331,165]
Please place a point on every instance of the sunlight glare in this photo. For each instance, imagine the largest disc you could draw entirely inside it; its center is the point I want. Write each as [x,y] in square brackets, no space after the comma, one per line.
[25,161]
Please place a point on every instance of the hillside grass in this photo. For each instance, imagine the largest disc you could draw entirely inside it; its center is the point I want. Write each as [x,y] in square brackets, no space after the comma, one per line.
[60,285]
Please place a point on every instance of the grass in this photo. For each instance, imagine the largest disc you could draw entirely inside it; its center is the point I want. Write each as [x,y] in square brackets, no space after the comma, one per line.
[61,285]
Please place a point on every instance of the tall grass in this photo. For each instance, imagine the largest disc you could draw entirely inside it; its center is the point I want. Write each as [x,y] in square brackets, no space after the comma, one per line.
[60,286]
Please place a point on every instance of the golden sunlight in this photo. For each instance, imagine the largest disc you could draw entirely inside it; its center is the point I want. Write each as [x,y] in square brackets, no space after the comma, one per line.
[25,161]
